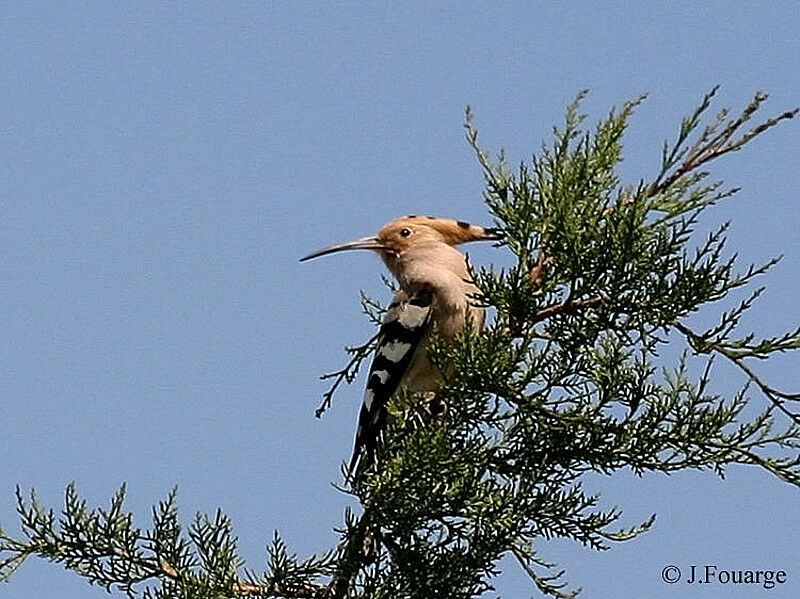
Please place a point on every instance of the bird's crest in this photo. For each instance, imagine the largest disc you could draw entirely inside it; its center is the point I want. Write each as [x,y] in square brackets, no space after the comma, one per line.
[406,231]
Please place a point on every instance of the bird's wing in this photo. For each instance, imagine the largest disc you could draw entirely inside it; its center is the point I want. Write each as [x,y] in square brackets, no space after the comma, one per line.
[399,336]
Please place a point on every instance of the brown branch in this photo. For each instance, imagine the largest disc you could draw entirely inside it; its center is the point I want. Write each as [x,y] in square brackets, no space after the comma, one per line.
[310,591]
[626,201]
[537,273]
[706,150]
[553,310]
[163,569]
[566,308]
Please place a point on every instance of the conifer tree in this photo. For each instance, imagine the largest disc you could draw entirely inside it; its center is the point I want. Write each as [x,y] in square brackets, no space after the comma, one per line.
[566,379]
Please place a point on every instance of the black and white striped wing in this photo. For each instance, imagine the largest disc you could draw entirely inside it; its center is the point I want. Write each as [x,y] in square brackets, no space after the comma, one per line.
[399,337]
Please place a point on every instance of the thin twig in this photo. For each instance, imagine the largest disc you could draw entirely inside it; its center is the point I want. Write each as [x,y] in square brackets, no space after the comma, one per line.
[776,396]
[706,150]
[347,373]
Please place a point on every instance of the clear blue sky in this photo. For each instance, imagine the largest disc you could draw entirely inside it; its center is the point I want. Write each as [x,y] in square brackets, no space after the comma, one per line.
[165,165]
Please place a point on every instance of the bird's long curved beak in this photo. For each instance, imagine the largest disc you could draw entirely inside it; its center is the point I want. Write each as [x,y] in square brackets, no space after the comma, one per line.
[365,243]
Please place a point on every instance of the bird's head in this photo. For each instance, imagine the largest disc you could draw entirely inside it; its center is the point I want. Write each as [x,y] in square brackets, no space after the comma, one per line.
[399,235]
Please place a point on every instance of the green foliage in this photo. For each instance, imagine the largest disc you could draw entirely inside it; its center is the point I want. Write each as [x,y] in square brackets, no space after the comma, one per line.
[567,379]
[104,547]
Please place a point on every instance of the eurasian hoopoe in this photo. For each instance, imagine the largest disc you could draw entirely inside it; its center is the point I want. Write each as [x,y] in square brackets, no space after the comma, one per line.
[435,288]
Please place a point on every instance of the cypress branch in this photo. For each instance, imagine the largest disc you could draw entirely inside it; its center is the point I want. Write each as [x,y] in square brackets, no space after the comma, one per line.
[566,380]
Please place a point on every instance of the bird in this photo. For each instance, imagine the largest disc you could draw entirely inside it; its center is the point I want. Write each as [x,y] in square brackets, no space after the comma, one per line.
[435,291]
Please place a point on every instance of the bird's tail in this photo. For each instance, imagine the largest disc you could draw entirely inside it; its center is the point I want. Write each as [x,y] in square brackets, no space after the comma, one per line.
[351,471]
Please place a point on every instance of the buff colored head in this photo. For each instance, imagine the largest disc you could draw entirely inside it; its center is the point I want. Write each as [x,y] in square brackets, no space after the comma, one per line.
[408,231]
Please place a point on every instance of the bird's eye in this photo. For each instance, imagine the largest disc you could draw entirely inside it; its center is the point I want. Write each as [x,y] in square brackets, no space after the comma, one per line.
[405,232]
